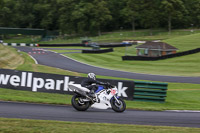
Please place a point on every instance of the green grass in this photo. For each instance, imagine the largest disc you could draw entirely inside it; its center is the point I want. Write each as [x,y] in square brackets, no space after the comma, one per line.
[33,97]
[179,66]
[29,65]
[9,57]
[175,91]
[22,39]
[41,126]
[119,36]
[179,97]
[187,42]
[116,36]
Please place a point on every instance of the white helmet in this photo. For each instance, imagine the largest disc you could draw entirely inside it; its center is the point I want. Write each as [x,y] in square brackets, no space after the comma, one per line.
[92,76]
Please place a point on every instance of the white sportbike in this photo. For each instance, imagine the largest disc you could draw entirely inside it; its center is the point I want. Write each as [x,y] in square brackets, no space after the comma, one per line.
[105,97]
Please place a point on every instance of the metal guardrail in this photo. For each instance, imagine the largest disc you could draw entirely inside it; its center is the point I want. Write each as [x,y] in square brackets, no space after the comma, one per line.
[188,52]
[150,91]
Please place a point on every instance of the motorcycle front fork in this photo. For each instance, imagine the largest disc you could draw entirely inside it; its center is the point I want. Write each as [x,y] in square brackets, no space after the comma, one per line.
[116,99]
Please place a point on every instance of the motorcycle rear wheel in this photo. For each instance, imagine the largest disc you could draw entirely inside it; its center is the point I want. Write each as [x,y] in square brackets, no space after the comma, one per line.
[78,105]
[118,107]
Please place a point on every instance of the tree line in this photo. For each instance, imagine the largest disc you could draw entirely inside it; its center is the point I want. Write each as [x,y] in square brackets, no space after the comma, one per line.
[95,16]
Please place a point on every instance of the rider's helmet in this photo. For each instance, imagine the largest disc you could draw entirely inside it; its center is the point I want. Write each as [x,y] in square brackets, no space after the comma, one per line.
[92,76]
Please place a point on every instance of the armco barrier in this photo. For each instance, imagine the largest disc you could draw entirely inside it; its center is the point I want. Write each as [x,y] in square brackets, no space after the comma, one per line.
[61,45]
[98,51]
[84,45]
[161,57]
[150,91]
[113,45]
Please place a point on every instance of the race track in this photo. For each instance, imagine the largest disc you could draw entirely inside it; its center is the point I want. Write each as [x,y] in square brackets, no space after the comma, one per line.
[59,61]
[67,113]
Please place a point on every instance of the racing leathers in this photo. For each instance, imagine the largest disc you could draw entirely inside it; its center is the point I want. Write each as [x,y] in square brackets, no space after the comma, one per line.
[91,84]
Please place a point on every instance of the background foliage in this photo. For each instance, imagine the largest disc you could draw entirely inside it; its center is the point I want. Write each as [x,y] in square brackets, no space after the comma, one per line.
[94,16]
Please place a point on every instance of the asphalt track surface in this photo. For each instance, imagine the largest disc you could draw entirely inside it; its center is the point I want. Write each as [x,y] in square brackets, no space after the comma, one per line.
[59,61]
[67,113]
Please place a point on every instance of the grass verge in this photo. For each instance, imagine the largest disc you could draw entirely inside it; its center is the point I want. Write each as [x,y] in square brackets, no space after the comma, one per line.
[29,65]
[179,66]
[119,36]
[177,99]
[9,57]
[180,96]
[41,126]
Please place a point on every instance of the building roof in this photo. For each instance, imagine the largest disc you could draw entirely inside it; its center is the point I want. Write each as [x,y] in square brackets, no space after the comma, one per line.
[156,46]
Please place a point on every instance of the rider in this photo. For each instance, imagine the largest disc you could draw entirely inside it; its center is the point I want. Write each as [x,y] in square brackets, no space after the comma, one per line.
[90,83]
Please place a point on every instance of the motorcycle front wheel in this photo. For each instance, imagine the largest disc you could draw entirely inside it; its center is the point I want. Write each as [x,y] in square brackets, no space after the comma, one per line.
[118,107]
[78,104]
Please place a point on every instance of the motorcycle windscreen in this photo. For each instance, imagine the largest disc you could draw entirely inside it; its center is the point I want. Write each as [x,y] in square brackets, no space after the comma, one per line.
[99,89]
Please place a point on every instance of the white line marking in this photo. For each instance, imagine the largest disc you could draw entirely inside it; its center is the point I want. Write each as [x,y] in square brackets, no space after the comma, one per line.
[115,69]
[51,51]
[186,111]
[33,59]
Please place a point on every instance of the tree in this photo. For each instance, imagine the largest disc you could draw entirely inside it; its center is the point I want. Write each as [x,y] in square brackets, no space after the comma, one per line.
[100,15]
[117,21]
[172,9]
[131,12]
[150,14]
[81,16]
[7,14]
[193,15]
[23,15]
[49,20]
[84,16]
[93,16]
[66,7]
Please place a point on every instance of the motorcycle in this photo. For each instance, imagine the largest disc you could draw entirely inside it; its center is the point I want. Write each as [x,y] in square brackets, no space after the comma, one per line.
[105,97]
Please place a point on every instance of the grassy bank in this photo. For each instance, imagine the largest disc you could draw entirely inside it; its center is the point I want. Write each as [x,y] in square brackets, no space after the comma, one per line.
[29,65]
[178,98]
[179,66]
[115,36]
[184,43]
[118,36]
[10,58]
[38,126]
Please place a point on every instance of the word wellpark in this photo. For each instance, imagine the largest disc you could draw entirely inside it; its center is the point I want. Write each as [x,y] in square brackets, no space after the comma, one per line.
[54,83]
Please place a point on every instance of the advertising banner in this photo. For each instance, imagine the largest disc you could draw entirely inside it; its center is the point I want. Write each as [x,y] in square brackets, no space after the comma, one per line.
[54,83]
